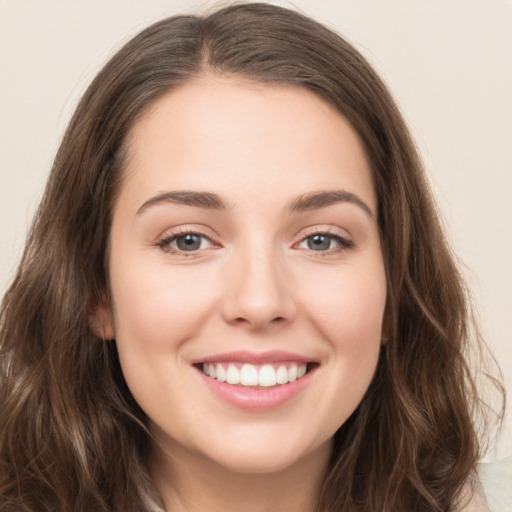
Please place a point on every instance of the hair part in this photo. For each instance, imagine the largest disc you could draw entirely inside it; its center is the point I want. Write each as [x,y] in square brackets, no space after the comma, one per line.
[71,435]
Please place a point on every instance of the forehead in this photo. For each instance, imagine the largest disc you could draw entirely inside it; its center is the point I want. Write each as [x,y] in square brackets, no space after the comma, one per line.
[233,136]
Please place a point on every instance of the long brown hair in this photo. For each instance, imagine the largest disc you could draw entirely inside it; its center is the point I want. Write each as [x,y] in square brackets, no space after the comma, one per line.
[71,435]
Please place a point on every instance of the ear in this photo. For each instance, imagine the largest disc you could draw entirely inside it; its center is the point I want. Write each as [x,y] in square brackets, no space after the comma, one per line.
[102,320]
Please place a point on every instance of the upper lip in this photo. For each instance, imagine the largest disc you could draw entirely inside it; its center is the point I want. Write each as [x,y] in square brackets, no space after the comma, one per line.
[272,356]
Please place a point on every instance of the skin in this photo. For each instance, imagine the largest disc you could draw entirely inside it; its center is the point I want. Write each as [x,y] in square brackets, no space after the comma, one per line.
[255,284]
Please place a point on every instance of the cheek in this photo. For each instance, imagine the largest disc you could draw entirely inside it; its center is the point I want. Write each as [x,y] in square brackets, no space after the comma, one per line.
[347,306]
[156,306]
[157,311]
[347,312]
[346,309]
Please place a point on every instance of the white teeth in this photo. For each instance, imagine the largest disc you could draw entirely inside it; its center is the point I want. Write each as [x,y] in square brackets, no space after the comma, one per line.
[248,375]
[282,375]
[266,376]
[221,373]
[232,375]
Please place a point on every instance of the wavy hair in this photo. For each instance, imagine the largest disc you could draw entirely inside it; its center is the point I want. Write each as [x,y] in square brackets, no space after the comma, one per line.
[71,435]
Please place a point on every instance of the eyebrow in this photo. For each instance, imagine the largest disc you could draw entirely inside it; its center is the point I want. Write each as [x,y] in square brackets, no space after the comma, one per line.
[205,200]
[316,200]
[302,203]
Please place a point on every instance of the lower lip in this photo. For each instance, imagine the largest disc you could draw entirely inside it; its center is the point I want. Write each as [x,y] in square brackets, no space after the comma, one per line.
[260,399]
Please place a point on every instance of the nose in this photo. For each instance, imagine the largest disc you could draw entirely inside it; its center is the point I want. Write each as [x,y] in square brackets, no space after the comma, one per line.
[259,292]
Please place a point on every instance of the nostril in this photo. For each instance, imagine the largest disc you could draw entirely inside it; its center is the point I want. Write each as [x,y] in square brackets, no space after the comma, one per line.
[277,319]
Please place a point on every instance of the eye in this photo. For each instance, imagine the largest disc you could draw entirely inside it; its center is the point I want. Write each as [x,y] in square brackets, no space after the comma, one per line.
[322,242]
[185,242]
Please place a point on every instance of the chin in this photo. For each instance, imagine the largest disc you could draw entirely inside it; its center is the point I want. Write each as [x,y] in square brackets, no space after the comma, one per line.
[261,463]
[266,458]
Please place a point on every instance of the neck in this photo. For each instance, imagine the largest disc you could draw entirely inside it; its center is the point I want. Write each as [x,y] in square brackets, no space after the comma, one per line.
[190,482]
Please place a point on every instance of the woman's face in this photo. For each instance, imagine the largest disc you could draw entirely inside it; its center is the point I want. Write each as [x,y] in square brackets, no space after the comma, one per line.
[245,247]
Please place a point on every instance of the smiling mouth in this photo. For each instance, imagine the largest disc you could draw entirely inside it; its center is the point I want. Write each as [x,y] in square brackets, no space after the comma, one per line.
[256,375]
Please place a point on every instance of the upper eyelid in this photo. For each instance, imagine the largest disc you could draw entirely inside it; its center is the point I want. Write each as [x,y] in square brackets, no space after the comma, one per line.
[188,230]
[174,236]
[324,230]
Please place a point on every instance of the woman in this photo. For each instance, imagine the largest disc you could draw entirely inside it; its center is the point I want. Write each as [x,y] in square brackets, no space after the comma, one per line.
[236,294]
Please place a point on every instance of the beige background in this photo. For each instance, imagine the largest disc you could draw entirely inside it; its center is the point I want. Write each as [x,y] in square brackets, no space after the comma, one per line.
[448,64]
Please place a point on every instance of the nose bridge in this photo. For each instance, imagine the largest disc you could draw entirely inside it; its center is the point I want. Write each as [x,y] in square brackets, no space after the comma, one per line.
[258,291]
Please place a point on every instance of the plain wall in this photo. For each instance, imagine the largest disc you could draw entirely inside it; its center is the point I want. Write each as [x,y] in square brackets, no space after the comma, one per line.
[448,64]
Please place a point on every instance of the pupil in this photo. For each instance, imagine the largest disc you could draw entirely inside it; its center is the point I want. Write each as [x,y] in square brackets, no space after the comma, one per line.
[189,242]
[319,242]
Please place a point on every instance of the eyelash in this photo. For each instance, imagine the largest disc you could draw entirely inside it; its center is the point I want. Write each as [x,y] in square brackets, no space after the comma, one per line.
[164,244]
[344,244]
